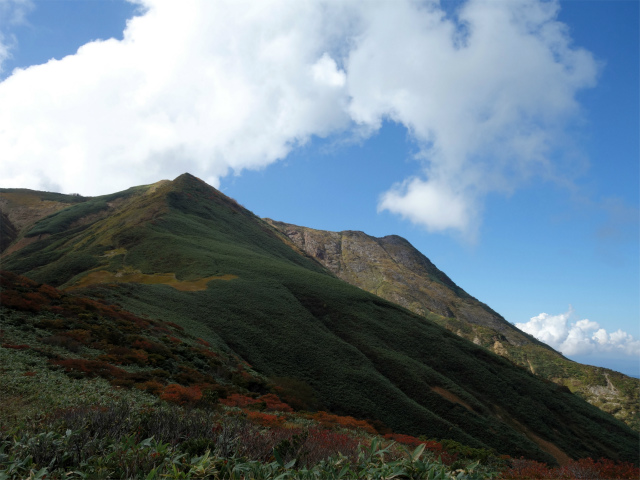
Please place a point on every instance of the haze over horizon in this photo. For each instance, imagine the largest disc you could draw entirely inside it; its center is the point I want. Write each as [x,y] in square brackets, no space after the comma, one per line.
[499,138]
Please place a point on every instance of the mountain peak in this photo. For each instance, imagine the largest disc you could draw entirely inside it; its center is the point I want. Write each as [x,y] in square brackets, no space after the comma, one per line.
[186,179]
[189,191]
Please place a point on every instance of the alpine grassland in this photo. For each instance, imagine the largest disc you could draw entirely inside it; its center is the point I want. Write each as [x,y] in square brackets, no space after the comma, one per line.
[281,350]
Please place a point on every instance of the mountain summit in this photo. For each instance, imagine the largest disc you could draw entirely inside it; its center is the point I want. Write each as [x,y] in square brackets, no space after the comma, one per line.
[180,251]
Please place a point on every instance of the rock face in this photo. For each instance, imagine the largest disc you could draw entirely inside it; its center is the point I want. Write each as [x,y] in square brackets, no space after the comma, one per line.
[393,269]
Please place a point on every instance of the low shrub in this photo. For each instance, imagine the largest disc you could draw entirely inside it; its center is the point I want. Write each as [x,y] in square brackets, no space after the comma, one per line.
[180,395]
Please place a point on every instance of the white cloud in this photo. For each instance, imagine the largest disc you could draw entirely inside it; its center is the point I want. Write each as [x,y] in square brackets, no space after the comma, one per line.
[582,337]
[218,87]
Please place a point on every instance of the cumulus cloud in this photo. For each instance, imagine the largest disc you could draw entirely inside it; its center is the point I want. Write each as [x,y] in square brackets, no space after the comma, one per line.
[580,337]
[219,87]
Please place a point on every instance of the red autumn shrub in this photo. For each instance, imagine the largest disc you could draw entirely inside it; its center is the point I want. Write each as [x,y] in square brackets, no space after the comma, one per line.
[238,400]
[88,304]
[188,376]
[149,346]
[523,468]
[430,445]
[175,325]
[151,386]
[202,342]
[80,335]
[321,444]
[49,291]
[62,341]
[610,469]
[265,419]
[585,468]
[15,300]
[175,393]
[207,353]
[159,330]
[129,319]
[331,420]
[15,347]
[29,374]
[273,403]
[404,439]
[37,298]
[90,368]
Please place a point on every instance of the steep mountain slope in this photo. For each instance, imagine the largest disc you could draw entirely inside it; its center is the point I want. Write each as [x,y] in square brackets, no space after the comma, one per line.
[183,252]
[393,269]
[21,208]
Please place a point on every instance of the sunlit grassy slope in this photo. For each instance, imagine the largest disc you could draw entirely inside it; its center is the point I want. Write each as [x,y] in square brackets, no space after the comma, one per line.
[288,317]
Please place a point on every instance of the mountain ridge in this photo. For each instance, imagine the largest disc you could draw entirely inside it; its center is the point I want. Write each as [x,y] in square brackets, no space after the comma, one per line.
[288,316]
[415,283]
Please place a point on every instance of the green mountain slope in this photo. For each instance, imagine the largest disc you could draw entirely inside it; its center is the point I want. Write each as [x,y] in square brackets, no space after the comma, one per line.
[393,269]
[182,252]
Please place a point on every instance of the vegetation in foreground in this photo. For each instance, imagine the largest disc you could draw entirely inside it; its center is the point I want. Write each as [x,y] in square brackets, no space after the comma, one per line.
[393,269]
[128,397]
[124,440]
[349,353]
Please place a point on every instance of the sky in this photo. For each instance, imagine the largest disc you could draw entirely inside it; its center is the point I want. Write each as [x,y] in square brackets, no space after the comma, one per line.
[501,138]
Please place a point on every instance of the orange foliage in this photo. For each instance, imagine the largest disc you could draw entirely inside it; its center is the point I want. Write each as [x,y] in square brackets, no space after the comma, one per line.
[584,468]
[404,439]
[13,299]
[273,403]
[15,347]
[269,402]
[238,400]
[82,336]
[265,419]
[91,368]
[207,353]
[175,325]
[329,419]
[49,291]
[181,395]
[151,386]
[37,298]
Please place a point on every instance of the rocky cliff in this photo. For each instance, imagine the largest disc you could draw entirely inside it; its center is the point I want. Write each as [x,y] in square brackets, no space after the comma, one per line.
[393,269]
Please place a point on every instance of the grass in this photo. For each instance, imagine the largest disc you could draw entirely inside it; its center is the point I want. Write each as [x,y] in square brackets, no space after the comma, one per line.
[104,422]
[286,316]
[170,279]
[120,441]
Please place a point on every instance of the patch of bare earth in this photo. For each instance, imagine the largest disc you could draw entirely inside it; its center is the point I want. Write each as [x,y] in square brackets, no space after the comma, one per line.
[170,279]
[23,242]
[452,397]
[561,457]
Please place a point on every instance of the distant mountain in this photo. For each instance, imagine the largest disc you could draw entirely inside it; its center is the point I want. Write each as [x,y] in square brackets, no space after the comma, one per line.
[182,252]
[393,269]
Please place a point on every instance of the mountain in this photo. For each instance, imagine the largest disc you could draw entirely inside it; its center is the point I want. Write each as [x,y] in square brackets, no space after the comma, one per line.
[181,252]
[393,269]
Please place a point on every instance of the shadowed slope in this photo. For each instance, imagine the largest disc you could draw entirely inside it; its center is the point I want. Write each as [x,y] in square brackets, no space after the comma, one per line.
[289,317]
[393,269]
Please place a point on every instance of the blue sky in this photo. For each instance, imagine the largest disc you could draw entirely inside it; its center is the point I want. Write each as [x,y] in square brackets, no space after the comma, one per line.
[501,141]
